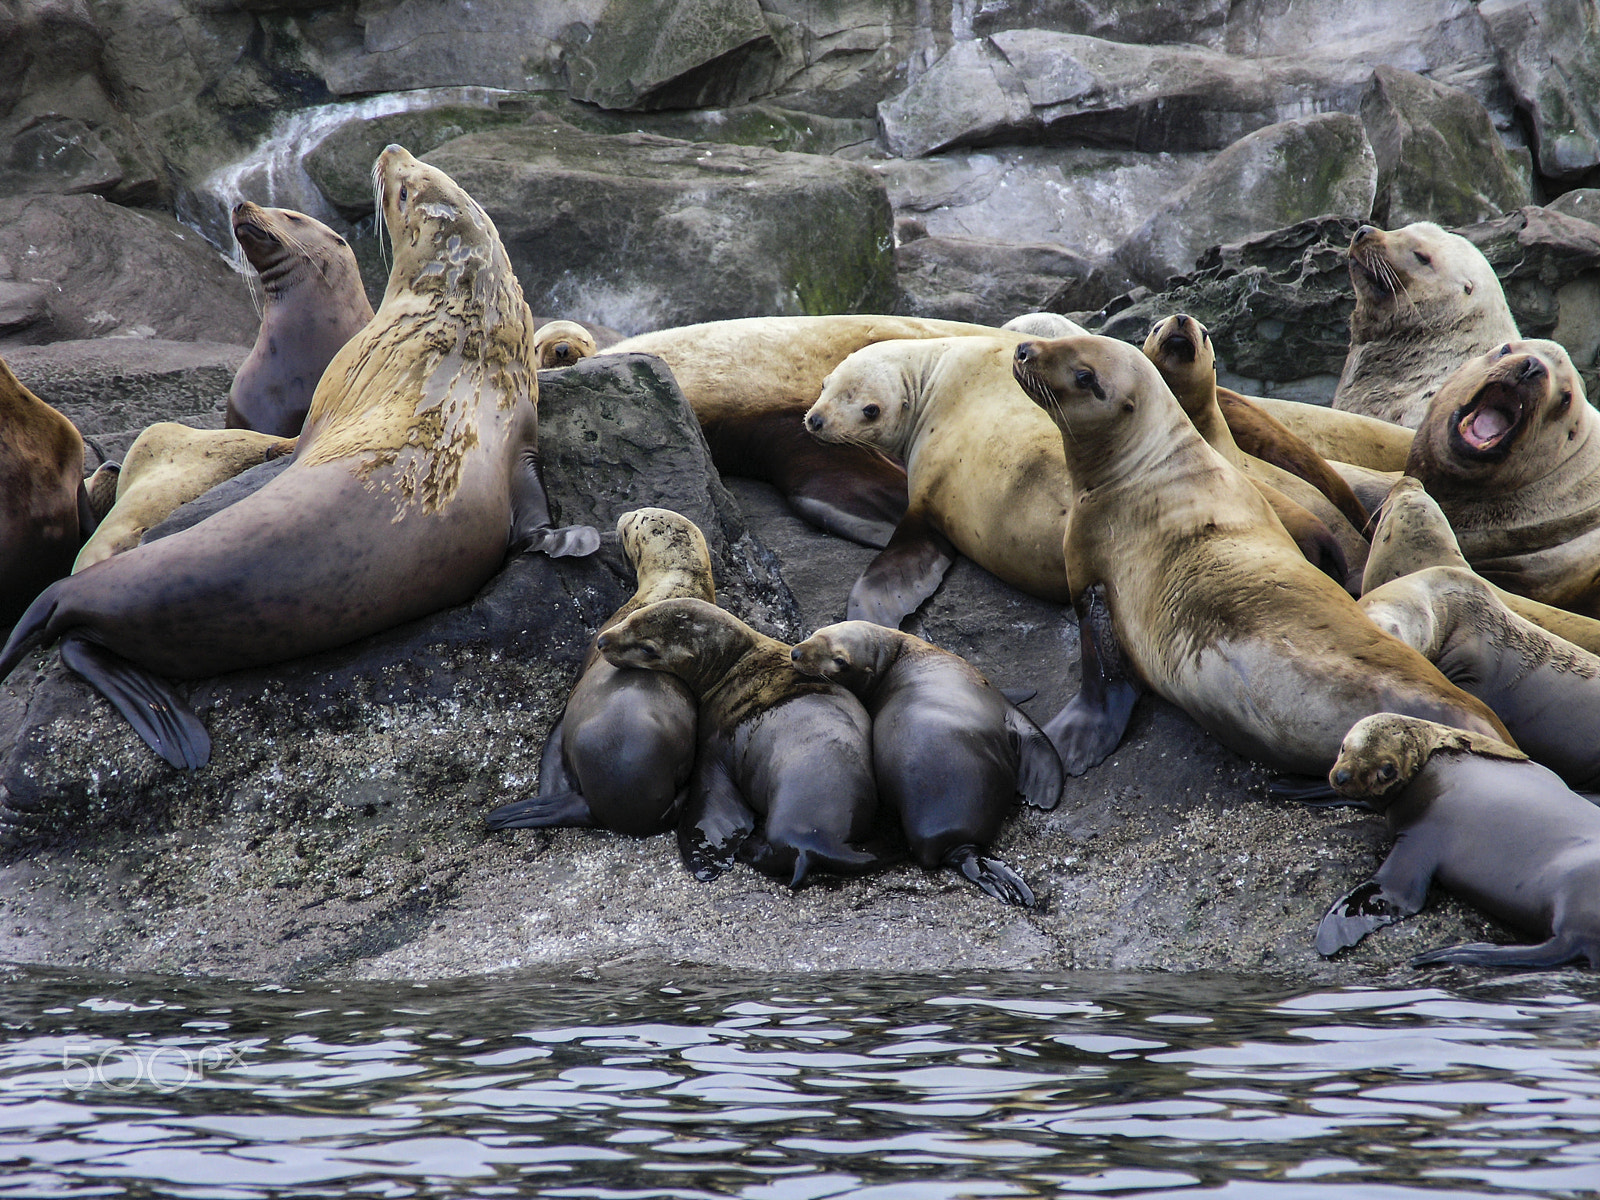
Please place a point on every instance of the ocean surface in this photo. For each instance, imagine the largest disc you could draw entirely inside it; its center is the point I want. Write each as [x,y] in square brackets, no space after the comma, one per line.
[794,1088]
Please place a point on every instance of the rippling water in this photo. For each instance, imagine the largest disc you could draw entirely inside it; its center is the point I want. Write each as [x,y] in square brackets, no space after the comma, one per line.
[792,1088]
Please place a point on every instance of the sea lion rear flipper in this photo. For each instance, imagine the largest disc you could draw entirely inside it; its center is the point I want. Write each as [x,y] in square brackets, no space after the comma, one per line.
[553,775]
[906,572]
[1394,893]
[87,520]
[990,874]
[715,822]
[1557,952]
[1088,729]
[1019,695]
[150,704]
[565,810]
[1039,776]
[532,528]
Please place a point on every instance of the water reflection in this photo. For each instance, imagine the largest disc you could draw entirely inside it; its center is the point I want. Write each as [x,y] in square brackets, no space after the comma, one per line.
[784,1089]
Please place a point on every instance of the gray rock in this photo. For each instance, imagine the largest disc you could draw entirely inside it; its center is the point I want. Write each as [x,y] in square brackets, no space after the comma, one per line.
[847,55]
[1141,22]
[987,283]
[1269,179]
[1550,53]
[638,232]
[1582,203]
[1438,157]
[22,305]
[60,155]
[972,97]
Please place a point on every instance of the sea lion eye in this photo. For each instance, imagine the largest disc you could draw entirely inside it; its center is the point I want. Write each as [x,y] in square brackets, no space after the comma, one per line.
[870,412]
[840,661]
[1084,379]
[402,193]
[1387,772]
[1566,402]
[1423,258]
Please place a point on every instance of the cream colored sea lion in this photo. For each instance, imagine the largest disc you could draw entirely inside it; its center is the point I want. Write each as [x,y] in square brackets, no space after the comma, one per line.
[750,381]
[1502,833]
[44,510]
[621,753]
[168,465]
[416,470]
[562,343]
[1426,300]
[1510,449]
[313,303]
[1185,581]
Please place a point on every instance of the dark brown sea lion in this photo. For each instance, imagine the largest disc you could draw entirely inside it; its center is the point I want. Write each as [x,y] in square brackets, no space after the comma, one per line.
[621,754]
[949,752]
[774,743]
[1500,832]
[314,303]
[1185,582]
[416,470]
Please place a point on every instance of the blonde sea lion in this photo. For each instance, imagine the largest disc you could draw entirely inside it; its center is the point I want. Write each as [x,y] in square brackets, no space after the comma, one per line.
[621,753]
[416,470]
[1184,581]
[1510,449]
[313,303]
[562,343]
[773,742]
[1340,437]
[949,752]
[168,465]
[1474,815]
[1425,301]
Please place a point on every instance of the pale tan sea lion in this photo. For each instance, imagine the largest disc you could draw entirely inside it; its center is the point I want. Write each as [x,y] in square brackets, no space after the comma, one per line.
[562,343]
[1426,300]
[313,303]
[1340,437]
[417,469]
[1185,581]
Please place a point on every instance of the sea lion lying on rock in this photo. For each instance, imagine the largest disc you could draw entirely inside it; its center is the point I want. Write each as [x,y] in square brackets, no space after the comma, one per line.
[562,343]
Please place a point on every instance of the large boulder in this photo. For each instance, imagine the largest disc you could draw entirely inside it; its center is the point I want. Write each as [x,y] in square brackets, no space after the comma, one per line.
[1550,53]
[1438,156]
[1269,179]
[987,283]
[639,232]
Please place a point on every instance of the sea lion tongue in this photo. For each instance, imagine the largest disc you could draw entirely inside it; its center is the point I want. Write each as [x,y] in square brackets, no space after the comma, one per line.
[1497,411]
[1489,424]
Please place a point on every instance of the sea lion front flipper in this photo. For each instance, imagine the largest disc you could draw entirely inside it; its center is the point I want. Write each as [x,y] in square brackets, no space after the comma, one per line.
[906,572]
[992,875]
[1557,952]
[151,705]
[532,529]
[715,822]
[1088,729]
[1397,891]
[1311,791]
[547,810]
[1039,776]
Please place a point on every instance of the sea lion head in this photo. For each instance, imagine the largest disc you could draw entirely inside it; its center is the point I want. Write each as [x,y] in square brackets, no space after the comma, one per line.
[1044,325]
[1419,274]
[1383,753]
[1182,351]
[562,343]
[667,548]
[1412,534]
[691,639]
[868,398]
[1503,419]
[851,653]
[288,249]
[444,243]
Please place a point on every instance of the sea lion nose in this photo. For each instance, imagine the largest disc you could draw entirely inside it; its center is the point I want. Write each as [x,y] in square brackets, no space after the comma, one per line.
[814,422]
[603,642]
[1182,320]
[394,147]
[1362,233]
[1341,777]
[1026,353]
[794,655]
[1531,369]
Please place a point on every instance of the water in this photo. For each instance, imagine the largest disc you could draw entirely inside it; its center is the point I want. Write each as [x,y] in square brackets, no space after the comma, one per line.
[909,1088]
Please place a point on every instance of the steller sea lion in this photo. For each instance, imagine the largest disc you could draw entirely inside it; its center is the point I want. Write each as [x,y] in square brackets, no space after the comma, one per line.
[314,303]
[416,470]
[621,753]
[561,343]
[949,752]
[1186,582]
[1500,832]
[772,742]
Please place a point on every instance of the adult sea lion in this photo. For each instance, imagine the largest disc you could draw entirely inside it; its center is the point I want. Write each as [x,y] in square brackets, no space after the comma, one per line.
[621,753]
[1500,832]
[169,465]
[1185,582]
[772,742]
[1425,300]
[1343,439]
[417,468]
[1510,449]
[751,380]
[949,752]
[44,509]
[562,343]
[313,303]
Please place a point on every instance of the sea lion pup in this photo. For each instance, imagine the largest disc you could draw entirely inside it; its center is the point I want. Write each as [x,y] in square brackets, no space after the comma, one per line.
[986,472]
[949,752]
[621,753]
[562,343]
[1500,832]
[313,304]
[45,511]
[1412,535]
[1315,505]
[772,742]
[416,470]
[168,465]
[1425,300]
[1511,451]
[751,380]
[1184,580]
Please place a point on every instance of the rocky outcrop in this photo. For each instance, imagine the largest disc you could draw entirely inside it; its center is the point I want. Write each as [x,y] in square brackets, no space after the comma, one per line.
[986,283]
[1550,53]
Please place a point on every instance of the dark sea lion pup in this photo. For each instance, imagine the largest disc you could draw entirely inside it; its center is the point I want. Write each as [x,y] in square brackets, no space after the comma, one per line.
[1500,832]
[949,751]
[314,303]
[621,754]
[773,742]
[416,471]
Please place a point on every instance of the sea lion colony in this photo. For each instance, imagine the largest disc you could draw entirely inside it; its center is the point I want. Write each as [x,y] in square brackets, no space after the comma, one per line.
[1194,540]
